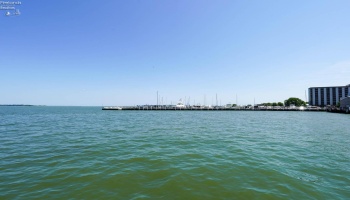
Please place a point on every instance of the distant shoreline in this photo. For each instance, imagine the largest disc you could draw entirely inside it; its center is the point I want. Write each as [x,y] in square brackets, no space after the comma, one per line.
[16,105]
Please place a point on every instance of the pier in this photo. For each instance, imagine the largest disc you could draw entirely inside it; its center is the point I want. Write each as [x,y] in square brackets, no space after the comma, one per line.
[207,108]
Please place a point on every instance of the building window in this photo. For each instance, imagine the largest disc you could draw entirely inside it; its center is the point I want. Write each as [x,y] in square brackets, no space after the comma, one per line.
[334,96]
[328,95]
[322,96]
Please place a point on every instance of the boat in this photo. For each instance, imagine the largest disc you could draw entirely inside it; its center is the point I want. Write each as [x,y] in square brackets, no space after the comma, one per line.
[180,104]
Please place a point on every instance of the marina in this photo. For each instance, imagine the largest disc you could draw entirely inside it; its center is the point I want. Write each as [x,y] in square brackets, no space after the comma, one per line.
[212,108]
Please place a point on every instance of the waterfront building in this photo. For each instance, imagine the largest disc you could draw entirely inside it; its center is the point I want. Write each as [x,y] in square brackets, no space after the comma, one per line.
[323,96]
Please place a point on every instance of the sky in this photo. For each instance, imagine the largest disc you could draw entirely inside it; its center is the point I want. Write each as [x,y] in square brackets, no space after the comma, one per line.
[118,53]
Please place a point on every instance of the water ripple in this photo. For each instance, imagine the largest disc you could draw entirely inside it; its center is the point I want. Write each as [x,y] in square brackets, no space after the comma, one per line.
[86,153]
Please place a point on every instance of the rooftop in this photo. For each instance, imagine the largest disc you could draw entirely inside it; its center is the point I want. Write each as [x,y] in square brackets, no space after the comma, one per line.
[330,86]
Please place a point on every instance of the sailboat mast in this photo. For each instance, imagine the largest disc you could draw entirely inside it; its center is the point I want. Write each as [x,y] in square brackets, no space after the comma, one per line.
[157,98]
[236,100]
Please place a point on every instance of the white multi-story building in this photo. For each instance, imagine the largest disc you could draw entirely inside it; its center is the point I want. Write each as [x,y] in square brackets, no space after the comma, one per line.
[323,96]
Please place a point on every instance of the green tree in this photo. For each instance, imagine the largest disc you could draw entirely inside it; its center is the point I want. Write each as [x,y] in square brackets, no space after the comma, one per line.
[280,104]
[295,101]
[234,105]
[274,104]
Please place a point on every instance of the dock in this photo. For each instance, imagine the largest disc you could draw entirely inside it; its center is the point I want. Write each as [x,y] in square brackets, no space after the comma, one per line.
[214,108]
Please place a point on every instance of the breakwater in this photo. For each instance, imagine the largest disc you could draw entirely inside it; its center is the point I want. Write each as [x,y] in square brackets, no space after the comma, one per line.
[214,108]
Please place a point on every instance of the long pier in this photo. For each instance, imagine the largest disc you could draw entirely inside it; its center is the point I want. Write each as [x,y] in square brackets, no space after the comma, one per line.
[218,108]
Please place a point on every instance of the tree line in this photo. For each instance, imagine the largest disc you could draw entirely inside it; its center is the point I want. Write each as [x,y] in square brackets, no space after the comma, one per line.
[291,101]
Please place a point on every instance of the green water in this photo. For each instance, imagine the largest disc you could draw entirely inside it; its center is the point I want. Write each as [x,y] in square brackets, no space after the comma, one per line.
[87,153]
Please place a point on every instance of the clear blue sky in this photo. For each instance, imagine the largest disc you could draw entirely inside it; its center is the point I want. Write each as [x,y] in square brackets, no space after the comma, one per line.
[122,52]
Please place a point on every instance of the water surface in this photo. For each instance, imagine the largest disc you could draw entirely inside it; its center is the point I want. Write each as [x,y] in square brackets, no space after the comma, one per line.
[87,153]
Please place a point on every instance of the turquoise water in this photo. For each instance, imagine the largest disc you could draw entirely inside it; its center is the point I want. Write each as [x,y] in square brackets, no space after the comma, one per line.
[87,153]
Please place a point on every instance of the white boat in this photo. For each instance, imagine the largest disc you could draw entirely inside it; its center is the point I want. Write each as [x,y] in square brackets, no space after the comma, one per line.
[180,104]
